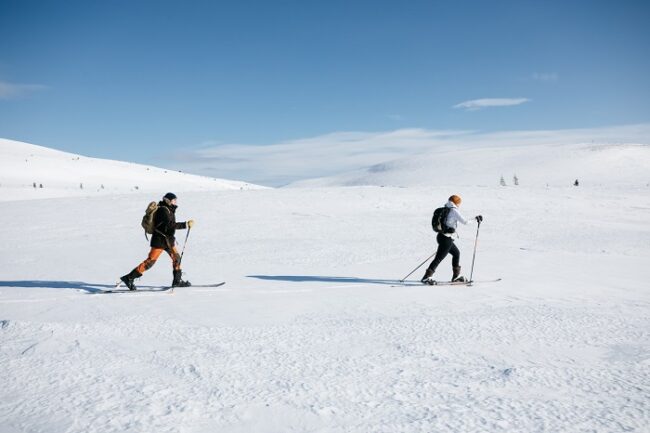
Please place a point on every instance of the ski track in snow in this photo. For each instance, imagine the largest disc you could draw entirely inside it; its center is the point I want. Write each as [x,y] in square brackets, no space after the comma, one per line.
[308,335]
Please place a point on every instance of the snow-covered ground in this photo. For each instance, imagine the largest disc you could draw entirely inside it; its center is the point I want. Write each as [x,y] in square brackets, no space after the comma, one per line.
[28,171]
[311,332]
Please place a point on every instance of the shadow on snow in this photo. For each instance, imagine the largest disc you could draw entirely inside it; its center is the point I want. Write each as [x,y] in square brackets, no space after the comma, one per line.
[73,285]
[322,279]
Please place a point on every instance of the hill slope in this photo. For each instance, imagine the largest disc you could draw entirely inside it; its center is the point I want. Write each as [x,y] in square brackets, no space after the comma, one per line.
[471,164]
[25,167]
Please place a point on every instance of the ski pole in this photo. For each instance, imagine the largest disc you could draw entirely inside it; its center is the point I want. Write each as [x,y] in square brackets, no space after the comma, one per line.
[419,266]
[184,243]
[471,273]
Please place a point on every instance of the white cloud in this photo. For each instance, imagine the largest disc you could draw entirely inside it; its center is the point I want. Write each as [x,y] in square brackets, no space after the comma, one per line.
[12,90]
[284,162]
[545,76]
[478,104]
[338,152]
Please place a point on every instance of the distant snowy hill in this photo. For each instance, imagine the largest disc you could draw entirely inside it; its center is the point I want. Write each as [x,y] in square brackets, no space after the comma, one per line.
[25,167]
[481,164]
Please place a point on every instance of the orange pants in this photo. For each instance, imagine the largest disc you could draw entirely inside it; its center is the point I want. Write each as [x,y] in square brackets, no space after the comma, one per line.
[153,256]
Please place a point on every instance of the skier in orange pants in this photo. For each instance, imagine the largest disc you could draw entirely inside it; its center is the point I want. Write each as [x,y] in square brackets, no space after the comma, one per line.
[154,254]
[162,240]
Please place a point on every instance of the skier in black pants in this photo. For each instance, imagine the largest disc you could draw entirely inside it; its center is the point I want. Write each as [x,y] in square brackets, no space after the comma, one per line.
[446,242]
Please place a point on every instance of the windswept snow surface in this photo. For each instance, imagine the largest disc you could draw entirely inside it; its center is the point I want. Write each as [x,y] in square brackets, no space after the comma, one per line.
[28,172]
[311,333]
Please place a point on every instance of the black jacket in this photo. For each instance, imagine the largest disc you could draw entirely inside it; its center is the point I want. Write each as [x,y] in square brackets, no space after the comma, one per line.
[165,226]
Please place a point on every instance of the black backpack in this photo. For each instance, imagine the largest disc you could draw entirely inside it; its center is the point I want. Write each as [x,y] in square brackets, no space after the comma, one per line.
[439,218]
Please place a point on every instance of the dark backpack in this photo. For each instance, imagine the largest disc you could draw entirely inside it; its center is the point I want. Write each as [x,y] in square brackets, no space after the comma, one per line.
[439,218]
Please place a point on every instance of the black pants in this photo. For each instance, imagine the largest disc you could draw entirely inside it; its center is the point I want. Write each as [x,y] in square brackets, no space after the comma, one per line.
[445,246]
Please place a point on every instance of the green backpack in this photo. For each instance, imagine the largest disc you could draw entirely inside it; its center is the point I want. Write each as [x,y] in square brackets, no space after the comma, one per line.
[147,219]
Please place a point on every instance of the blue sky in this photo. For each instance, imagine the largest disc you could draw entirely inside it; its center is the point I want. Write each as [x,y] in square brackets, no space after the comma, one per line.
[148,80]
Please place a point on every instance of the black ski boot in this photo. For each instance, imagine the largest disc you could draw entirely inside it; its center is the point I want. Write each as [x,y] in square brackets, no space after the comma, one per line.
[426,279]
[457,278]
[129,278]
[177,280]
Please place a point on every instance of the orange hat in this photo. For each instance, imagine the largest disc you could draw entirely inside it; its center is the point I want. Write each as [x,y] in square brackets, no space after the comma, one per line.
[455,199]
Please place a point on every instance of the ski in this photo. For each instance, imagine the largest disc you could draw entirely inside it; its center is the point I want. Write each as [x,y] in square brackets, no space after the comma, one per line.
[463,283]
[209,285]
[156,289]
[141,290]
[411,283]
[451,283]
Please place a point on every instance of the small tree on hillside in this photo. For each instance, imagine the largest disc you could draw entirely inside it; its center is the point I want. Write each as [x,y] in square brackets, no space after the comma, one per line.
[515,180]
[502,181]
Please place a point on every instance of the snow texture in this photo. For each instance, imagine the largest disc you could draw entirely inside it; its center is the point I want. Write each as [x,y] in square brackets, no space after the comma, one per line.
[311,333]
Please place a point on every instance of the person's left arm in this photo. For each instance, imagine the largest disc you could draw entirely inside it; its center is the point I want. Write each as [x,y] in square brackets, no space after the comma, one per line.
[185,225]
[460,218]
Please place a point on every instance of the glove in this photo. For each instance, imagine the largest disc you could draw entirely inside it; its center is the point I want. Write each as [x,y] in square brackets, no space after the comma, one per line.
[190,223]
[479,218]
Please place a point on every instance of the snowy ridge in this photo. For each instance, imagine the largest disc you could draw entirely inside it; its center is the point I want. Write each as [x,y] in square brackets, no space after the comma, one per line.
[63,174]
[483,164]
